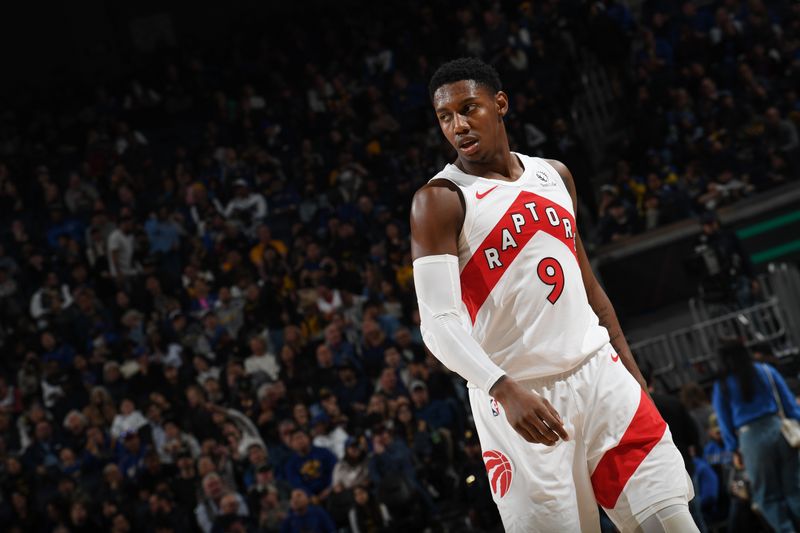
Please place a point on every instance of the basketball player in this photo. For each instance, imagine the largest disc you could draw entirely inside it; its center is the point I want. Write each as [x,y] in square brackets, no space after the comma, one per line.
[508,300]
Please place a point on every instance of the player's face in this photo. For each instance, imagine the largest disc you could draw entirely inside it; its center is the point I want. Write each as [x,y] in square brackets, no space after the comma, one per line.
[471,118]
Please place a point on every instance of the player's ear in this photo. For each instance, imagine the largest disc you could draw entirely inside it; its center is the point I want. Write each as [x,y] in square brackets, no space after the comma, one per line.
[501,104]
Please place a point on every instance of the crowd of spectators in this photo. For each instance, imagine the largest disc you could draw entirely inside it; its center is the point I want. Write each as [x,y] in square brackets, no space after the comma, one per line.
[206,305]
[714,110]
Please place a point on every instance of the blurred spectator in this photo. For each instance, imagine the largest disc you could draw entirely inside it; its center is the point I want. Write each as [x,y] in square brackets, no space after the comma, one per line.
[247,208]
[131,454]
[616,220]
[261,365]
[41,455]
[781,136]
[121,247]
[694,399]
[49,300]
[392,472]
[327,435]
[353,469]
[129,420]
[707,485]
[272,510]
[229,517]
[438,414]
[304,516]
[746,407]
[217,503]
[352,390]
[366,514]
[310,468]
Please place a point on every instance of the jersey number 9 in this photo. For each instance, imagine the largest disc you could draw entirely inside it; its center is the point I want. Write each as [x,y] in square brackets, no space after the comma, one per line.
[551,273]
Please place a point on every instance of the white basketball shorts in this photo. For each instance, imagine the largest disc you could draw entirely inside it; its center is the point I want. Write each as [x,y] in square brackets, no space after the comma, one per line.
[620,454]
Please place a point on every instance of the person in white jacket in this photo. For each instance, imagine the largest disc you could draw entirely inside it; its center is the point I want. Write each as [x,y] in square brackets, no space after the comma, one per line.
[353,469]
[247,207]
[52,297]
[128,420]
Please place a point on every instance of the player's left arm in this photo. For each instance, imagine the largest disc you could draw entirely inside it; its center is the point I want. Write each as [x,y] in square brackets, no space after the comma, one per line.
[597,297]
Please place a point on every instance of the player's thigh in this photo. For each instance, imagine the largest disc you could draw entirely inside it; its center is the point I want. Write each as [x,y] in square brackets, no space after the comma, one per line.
[633,462]
[531,483]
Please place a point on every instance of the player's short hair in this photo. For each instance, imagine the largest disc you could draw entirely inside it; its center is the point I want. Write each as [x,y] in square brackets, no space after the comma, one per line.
[465,68]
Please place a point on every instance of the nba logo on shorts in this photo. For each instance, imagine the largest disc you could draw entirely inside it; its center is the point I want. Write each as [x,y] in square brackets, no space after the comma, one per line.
[499,470]
[494,406]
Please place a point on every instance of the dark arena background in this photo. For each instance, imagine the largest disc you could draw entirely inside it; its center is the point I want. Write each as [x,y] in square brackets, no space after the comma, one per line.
[207,310]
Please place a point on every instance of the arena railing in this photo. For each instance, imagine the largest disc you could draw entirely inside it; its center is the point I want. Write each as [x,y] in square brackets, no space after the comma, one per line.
[689,354]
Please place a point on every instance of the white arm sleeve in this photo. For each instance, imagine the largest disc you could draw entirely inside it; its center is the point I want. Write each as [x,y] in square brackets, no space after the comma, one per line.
[439,296]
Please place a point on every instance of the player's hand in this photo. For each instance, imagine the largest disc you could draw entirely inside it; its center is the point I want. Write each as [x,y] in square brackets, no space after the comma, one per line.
[529,414]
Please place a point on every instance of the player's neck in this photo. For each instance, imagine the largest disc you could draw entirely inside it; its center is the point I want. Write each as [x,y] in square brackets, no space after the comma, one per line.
[503,166]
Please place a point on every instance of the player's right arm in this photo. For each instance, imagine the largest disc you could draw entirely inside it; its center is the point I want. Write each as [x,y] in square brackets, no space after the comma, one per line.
[437,214]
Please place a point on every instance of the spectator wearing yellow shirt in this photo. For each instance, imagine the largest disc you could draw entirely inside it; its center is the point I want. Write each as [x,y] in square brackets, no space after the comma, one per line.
[265,240]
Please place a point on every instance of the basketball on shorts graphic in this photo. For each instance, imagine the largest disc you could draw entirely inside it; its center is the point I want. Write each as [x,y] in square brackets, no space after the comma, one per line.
[499,469]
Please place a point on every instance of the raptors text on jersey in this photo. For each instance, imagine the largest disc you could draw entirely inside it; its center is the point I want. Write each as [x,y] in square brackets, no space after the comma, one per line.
[523,296]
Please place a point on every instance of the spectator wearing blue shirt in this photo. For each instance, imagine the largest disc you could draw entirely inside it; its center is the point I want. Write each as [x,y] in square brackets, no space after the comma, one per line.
[279,451]
[306,518]
[164,238]
[375,309]
[706,482]
[437,413]
[392,462]
[374,343]
[61,226]
[714,451]
[130,454]
[343,352]
[256,459]
[352,390]
[310,468]
[42,453]
[53,350]
[746,409]
[162,234]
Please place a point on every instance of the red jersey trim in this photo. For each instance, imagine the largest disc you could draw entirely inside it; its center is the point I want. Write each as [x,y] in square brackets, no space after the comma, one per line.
[478,278]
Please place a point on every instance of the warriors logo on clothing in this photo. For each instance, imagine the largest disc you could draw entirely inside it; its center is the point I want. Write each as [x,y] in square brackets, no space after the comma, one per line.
[499,470]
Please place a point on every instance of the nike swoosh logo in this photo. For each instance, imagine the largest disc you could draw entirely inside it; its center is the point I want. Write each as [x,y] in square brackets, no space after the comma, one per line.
[481,195]
[614,357]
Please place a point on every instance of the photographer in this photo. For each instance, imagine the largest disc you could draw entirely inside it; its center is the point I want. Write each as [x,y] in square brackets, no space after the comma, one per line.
[726,274]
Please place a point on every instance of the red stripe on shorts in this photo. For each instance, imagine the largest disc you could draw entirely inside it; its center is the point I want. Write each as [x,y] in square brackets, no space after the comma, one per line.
[619,463]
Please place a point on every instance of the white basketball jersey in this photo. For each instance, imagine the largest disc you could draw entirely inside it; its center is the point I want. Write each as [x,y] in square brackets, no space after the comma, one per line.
[523,296]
